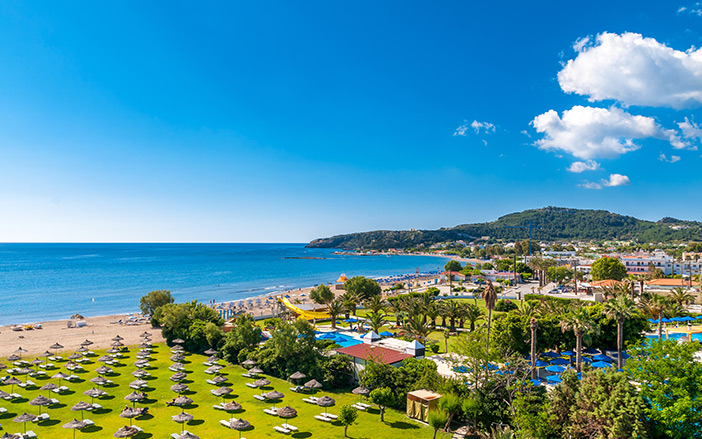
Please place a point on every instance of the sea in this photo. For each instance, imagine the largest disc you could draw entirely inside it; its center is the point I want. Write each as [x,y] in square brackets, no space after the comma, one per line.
[41,282]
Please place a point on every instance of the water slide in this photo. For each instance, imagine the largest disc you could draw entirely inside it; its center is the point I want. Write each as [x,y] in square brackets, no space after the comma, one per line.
[307,315]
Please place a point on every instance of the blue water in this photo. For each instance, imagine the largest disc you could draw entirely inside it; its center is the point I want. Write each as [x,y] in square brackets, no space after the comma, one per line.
[53,281]
[342,340]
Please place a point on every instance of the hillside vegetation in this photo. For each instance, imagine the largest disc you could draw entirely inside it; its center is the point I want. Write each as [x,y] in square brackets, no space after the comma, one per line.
[554,224]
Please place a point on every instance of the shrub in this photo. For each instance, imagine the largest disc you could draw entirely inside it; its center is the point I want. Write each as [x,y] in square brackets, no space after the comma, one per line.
[505,305]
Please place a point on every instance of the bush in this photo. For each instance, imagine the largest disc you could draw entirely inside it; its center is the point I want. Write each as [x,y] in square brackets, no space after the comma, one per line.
[434,348]
[505,305]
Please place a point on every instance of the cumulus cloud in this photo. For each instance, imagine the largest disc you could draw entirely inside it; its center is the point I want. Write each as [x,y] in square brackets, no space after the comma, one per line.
[613,181]
[672,159]
[484,126]
[634,70]
[690,130]
[588,132]
[578,167]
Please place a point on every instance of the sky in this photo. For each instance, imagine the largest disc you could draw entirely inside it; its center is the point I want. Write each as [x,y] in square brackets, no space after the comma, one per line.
[271,121]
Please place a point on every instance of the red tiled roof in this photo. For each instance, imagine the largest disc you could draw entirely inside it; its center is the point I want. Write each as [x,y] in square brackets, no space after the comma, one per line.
[379,354]
[671,282]
[604,283]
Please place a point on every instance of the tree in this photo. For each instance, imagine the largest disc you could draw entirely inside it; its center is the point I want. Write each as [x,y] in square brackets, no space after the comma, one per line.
[335,308]
[533,325]
[451,404]
[472,314]
[153,301]
[681,296]
[418,329]
[376,304]
[363,287]
[437,419]
[453,265]
[656,306]
[452,310]
[621,308]
[347,416]
[376,320]
[383,397]
[447,334]
[489,295]
[608,268]
[243,335]
[579,322]
[322,295]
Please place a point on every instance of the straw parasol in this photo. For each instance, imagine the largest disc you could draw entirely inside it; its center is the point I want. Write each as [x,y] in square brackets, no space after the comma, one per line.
[49,387]
[12,381]
[112,351]
[255,370]
[239,425]
[177,347]
[24,418]
[75,356]
[100,381]
[219,379]
[141,363]
[117,344]
[139,383]
[178,388]
[179,376]
[261,383]
[86,342]
[298,376]
[10,436]
[287,412]
[178,366]
[145,334]
[130,413]
[214,369]
[35,362]
[361,391]
[178,341]
[177,357]
[54,347]
[182,418]
[41,401]
[231,406]
[139,373]
[118,338]
[94,393]
[75,425]
[105,358]
[3,366]
[126,431]
[135,397]
[144,345]
[248,362]
[313,384]
[21,351]
[14,357]
[274,395]
[4,395]
[102,370]
[187,435]
[82,349]
[325,401]
[221,391]
[212,359]
[211,351]
[80,407]
[60,376]
[182,401]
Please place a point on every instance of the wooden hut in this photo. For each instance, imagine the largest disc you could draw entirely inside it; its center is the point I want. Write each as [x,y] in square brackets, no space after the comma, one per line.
[420,402]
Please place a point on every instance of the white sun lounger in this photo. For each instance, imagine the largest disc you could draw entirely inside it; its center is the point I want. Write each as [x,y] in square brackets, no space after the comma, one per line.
[259,397]
[310,400]
[30,434]
[281,429]
[88,422]
[290,427]
[271,412]
[250,385]
[322,418]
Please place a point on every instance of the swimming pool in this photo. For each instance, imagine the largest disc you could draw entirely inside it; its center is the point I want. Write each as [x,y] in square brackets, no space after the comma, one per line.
[677,336]
[342,340]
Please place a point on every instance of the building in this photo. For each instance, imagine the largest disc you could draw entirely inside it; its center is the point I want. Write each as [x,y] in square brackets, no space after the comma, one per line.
[670,284]
[360,354]
[420,402]
[640,263]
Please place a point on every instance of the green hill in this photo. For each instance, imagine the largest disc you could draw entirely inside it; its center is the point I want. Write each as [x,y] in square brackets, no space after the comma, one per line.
[554,224]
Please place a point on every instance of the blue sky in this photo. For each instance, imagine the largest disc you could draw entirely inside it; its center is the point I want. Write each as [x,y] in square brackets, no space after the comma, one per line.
[285,121]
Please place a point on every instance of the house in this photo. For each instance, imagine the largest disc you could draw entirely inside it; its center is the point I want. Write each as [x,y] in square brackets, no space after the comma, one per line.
[360,354]
[669,284]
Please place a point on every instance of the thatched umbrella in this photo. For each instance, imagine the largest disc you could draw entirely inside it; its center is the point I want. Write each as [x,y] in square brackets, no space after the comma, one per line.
[99,381]
[182,401]
[112,351]
[219,379]
[179,376]
[94,393]
[82,349]
[145,334]
[118,338]
[45,356]
[86,342]
[139,383]
[60,376]
[24,418]
[75,425]
[102,370]
[21,351]
[261,383]
[212,359]
[361,391]
[4,395]
[126,431]
[239,425]
[325,401]
[255,370]
[135,397]
[10,436]
[36,362]
[221,391]
[54,347]
[75,356]
[214,369]
[105,358]
[298,376]
[178,388]
[248,362]
[40,401]
[117,344]
[49,387]
[187,435]
[287,412]
[140,373]
[211,351]
[144,345]
[177,357]
[80,407]
[12,381]
[273,395]
[231,406]
[178,341]
[182,418]
[313,384]
[177,348]
[14,357]
[3,366]
[130,413]
[177,366]
[141,363]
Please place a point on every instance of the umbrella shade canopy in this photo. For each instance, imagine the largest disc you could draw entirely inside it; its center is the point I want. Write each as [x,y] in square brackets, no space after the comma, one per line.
[213,369]
[23,371]
[210,352]
[273,395]
[239,424]
[213,359]
[248,362]
[81,406]
[103,370]
[139,373]
[86,342]
[550,354]
[261,383]
[553,379]
[222,391]
[178,366]
[556,369]
[602,357]
[361,391]
[560,361]
[54,347]
[624,355]
[179,376]
[40,400]
[231,406]
[13,381]
[60,376]
[255,370]
[129,413]
[36,362]
[325,401]
[139,383]
[540,363]
[75,424]
[178,341]
[144,345]
[183,400]
[386,334]
[75,356]
[287,412]
[586,359]
[590,351]
[112,351]
[314,384]
[145,334]
[100,381]
[126,431]
[298,376]
[183,417]
[117,344]
[49,386]
[177,347]
[105,358]
[177,357]
[219,379]
[82,349]
[187,435]
[46,354]
[4,394]
[179,387]
[601,364]
[134,396]
[10,436]
[25,417]
[94,393]
[118,338]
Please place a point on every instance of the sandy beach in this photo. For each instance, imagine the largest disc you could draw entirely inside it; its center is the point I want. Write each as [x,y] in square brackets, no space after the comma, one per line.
[99,330]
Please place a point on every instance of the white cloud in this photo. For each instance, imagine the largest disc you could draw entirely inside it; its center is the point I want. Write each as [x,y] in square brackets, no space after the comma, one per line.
[478,127]
[484,126]
[613,181]
[690,130]
[589,132]
[672,159]
[461,130]
[578,167]
[634,70]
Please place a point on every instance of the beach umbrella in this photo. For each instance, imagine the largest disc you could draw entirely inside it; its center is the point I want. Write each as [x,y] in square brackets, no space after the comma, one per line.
[361,391]
[145,334]
[231,406]
[144,345]
[239,425]
[94,393]
[255,371]
[687,319]
[60,376]
[287,412]
[40,401]
[117,344]
[313,384]
[213,369]
[10,436]
[179,376]
[118,338]
[274,395]
[386,334]
[139,383]
[601,364]
[12,381]
[177,357]
[325,401]
[24,418]
[178,366]
[135,397]
[248,362]
[126,431]
[177,347]
[3,366]
[219,379]
[590,351]
[14,357]
[86,342]
[103,370]
[75,356]
[105,358]
[212,359]
[141,363]
[602,357]
[187,435]
[586,359]
[178,388]
[178,341]
[4,395]
[182,401]
[21,350]
[70,365]
[624,355]
[139,373]
[550,354]
[100,381]
[560,361]
[80,407]
[75,424]
[556,369]
[112,351]
[49,387]
[130,414]
[82,349]
[35,362]
[54,347]
[182,418]
[553,379]
[221,391]
[261,383]
[211,351]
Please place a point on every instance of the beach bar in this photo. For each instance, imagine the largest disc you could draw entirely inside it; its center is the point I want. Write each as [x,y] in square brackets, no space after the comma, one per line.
[420,402]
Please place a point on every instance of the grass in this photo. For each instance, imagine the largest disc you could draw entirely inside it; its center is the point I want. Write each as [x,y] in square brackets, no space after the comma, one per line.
[158,424]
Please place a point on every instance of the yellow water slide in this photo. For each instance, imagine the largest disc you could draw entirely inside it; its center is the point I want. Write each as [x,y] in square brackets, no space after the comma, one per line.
[307,315]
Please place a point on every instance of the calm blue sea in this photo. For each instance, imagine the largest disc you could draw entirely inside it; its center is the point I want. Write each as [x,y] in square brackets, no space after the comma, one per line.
[41,282]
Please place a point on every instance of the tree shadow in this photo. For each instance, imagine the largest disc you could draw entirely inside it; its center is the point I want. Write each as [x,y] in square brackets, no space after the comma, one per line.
[107,397]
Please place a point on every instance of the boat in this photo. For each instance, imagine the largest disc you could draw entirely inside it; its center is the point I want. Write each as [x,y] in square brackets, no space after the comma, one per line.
[16,328]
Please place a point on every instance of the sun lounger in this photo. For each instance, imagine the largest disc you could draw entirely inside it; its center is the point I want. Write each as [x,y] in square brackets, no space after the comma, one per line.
[224,422]
[259,397]
[218,407]
[359,407]
[310,400]
[247,375]
[72,377]
[329,415]
[250,385]
[97,406]
[271,412]
[30,434]
[322,418]
[363,404]
[211,382]
[290,427]
[15,395]
[88,422]
[281,429]
[3,410]
[42,417]
[54,401]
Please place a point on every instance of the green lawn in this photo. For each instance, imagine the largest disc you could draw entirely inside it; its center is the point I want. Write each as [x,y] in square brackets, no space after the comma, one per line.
[158,424]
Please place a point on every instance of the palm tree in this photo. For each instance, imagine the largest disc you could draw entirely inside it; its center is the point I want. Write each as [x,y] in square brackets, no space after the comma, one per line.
[656,306]
[681,296]
[376,304]
[432,312]
[426,300]
[350,300]
[533,325]
[579,322]
[489,295]
[335,308]
[452,310]
[526,310]
[418,329]
[376,320]
[472,314]
[621,309]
